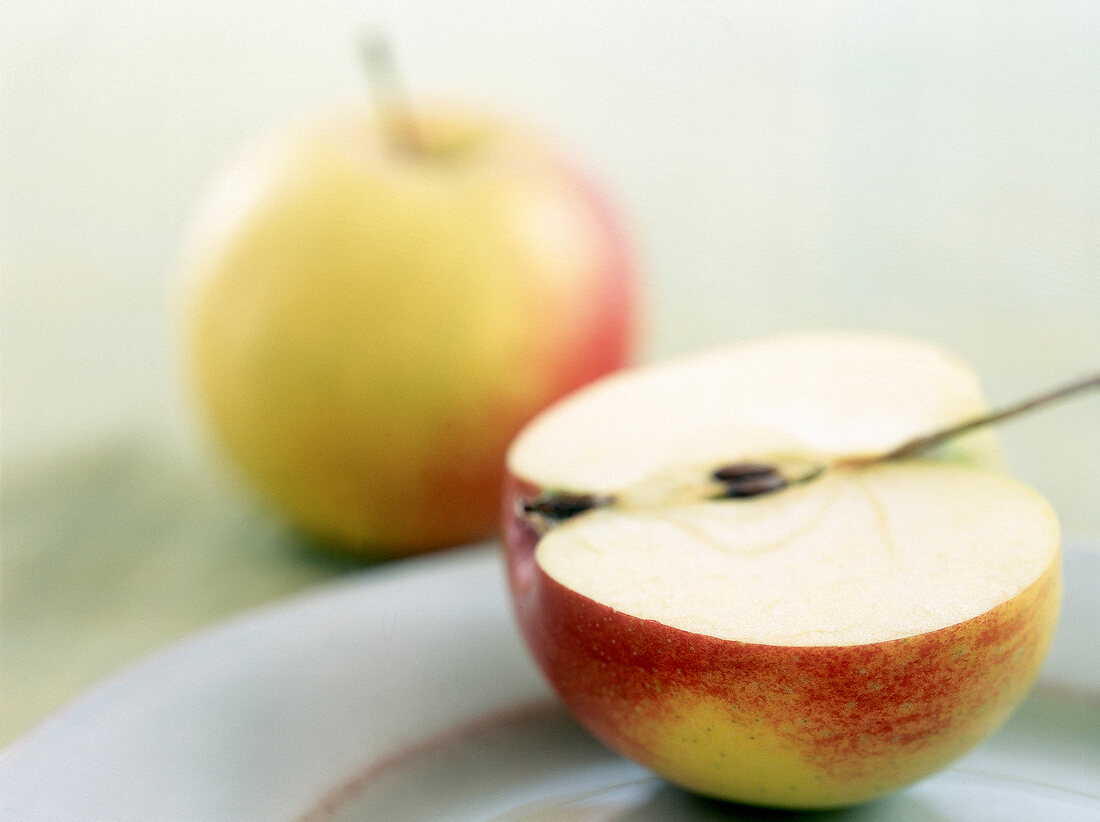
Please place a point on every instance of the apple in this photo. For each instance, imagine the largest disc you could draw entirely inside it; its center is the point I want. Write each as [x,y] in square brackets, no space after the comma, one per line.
[724,583]
[375,308]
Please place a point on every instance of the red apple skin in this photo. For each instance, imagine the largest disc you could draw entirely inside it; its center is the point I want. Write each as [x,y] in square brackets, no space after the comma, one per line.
[576,336]
[789,727]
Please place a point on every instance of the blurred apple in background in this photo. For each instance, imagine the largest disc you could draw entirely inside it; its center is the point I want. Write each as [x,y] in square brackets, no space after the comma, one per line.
[379,301]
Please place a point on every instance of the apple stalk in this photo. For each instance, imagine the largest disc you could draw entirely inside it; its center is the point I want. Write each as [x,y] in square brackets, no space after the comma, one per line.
[391,99]
[919,445]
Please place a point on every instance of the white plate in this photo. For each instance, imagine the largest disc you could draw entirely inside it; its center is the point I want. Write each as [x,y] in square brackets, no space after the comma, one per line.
[405,694]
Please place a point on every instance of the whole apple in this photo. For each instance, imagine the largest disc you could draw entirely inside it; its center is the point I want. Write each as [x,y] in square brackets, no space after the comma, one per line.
[371,318]
[721,583]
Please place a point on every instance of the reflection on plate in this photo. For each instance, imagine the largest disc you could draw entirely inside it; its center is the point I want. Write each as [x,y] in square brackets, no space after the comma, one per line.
[404,694]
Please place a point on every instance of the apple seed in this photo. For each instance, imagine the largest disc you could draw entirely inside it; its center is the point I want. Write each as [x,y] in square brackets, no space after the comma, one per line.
[558,506]
[752,485]
[742,470]
[748,479]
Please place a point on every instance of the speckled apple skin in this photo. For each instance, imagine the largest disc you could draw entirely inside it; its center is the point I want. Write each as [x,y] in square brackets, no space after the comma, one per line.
[790,727]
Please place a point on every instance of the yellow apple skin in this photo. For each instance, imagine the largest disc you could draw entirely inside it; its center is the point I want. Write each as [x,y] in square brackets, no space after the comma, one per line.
[779,726]
[368,325]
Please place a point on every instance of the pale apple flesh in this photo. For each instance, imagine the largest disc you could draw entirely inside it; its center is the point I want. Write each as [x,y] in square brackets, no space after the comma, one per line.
[811,648]
[369,326]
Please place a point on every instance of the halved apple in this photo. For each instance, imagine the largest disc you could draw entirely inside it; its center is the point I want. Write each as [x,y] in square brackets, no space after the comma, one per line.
[817,641]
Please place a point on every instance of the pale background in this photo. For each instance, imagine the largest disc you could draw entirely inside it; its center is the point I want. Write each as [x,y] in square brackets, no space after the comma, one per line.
[924,167]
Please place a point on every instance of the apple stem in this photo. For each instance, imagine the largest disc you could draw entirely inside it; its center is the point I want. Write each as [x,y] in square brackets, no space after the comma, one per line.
[394,111]
[920,444]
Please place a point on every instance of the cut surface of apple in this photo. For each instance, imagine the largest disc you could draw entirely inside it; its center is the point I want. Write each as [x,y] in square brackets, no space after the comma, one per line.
[810,394]
[869,556]
[814,646]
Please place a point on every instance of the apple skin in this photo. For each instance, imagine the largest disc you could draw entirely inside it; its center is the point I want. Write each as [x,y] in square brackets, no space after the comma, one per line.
[786,727]
[368,326]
